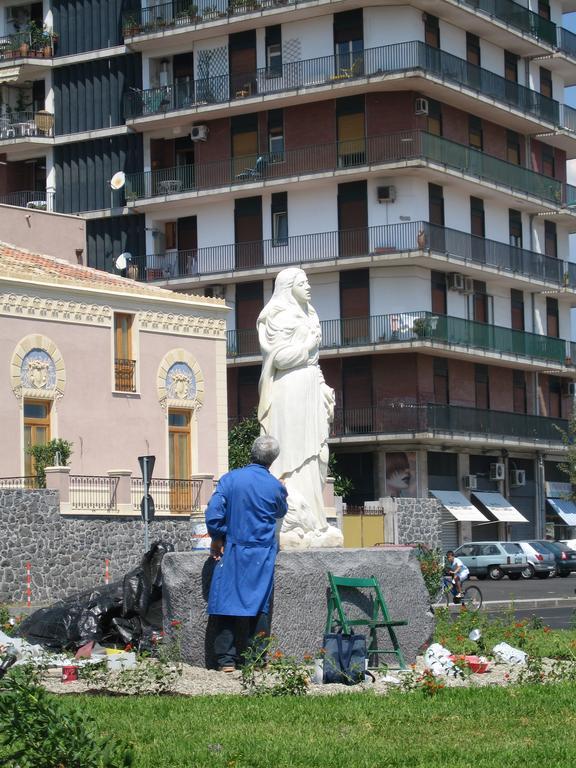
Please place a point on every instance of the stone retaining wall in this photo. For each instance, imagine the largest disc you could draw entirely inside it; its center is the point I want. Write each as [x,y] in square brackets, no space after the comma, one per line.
[419,520]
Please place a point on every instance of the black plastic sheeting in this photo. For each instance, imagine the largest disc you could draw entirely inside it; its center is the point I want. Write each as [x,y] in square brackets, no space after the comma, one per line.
[127,611]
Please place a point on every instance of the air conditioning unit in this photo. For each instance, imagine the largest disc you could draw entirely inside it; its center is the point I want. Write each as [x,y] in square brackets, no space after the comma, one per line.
[386,194]
[199,133]
[497,471]
[470,482]
[468,285]
[517,478]
[455,281]
[421,106]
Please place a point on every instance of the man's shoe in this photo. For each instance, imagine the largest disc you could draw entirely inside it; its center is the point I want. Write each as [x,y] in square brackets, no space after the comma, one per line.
[227,668]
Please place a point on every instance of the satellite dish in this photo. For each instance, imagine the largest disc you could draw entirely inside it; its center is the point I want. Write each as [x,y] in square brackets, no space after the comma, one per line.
[122,261]
[118,180]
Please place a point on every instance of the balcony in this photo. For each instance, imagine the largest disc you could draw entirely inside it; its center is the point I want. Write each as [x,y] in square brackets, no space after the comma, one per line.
[408,420]
[373,64]
[124,375]
[438,331]
[26,125]
[383,242]
[398,150]
[165,17]
[40,199]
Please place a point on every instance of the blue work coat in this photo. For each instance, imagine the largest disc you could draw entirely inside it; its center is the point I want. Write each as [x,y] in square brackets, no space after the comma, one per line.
[243,512]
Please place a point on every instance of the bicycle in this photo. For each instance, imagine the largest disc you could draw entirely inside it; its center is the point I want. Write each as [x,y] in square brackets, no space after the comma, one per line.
[471,600]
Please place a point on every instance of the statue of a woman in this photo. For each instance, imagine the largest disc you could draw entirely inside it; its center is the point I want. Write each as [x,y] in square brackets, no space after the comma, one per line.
[296,406]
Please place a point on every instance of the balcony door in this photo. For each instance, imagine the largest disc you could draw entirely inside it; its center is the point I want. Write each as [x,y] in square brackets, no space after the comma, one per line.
[477,229]
[242,61]
[248,232]
[355,306]
[357,394]
[179,444]
[244,129]
[187,245]
[351,131]
[349,43]
[36,430]
[353,219]
[249,304]
[436,218]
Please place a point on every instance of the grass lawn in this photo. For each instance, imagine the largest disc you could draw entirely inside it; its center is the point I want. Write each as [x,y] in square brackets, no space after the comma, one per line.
[508,727]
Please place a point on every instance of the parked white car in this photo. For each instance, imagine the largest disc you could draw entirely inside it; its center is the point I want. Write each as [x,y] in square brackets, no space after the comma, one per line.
[541,562]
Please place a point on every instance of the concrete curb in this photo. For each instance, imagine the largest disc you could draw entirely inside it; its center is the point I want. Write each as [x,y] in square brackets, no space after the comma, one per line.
[540,602]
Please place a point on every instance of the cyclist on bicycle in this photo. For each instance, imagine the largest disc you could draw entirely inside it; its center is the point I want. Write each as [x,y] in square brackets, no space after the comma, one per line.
[458,571]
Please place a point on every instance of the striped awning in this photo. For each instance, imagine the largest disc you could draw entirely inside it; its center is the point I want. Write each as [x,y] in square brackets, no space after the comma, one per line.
[564,508]
[459,506]
[500,507]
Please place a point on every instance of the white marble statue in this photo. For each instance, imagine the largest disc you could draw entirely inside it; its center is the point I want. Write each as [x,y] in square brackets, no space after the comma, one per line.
[296,406]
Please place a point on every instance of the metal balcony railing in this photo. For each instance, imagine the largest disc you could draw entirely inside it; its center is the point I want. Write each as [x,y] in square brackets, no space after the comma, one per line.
[184,13]
[18,125]
[27,45]
[40,199]
[170,496]
[401,327]
[354,243]
[397,148]
[124,375]
[567,42]
[93,492]
[372,62]
[409,418]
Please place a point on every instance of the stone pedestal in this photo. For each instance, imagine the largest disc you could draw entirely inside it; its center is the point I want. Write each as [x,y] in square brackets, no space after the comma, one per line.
[300,597]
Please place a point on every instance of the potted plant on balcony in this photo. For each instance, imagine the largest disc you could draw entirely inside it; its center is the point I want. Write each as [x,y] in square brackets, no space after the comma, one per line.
[421,327]
[131,26]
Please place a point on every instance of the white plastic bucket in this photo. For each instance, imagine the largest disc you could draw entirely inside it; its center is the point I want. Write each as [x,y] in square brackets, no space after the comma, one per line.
[200,538]
[118,661]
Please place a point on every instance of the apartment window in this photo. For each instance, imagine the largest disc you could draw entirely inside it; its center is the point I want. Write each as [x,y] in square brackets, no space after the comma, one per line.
[517,309]
[179,460]
[548,161]
[550,240]
[544,9]
[511,66]
[554,397]
[482,386]
[431,30]
[348,30]
[475,138]
[274,51]
[546,82]
[436,204]
[276,135]
[480,302]
[519,398]
[438,286]
[515,228]
[441,391]
[36,430]
[477,225]
[552,319]
[124,363]
[434,117]
[472,49]
[279,209]
[513,147]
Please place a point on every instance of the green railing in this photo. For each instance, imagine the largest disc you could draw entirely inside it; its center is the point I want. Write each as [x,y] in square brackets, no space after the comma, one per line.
[181,13]
[397,148]
[410,418]
[402,327]
[567,42]
[410,57]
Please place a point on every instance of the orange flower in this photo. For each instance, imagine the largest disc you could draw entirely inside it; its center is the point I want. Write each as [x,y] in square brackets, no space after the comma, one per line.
[307,657]
[547,629]
[277,655]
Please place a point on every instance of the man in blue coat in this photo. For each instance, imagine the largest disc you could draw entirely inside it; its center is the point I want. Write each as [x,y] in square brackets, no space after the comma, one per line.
[241,520]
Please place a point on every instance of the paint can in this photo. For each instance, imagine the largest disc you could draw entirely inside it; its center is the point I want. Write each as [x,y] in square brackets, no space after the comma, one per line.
[69,673]
[199,536]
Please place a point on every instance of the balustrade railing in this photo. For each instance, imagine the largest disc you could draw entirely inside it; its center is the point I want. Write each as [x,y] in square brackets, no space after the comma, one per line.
[40,199]
[18,125]
[375,151]
[408,418]
[171,496]
[124,375]
[26,45]
[93,492]
[419,326]
[181,13]
[372,62]
[19,483]
[353,243]
[567,42]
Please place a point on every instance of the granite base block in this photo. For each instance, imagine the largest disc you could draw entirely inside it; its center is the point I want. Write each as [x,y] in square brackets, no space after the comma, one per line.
[300,598]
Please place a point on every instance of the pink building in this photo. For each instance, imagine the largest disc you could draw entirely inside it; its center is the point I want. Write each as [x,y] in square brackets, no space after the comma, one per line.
[117,367]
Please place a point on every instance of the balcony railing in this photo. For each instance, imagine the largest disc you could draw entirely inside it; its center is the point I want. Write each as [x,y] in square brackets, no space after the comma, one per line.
[170,496]
[372,62]
[124,375]
[19,483]
[18,125]
[182,13]
[409,418]
[401,327]
[354,243]
[27,45]
[567,42]
[40,199]
[397,148]
[93,492]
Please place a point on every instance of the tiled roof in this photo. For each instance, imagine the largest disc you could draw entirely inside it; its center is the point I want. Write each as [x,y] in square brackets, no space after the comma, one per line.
[24,265]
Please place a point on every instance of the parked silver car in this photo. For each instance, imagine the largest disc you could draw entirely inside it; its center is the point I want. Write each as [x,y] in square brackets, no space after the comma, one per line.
[541,562]
[493,559]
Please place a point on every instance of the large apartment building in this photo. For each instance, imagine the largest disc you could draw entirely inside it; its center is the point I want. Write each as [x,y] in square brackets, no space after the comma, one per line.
[411,158]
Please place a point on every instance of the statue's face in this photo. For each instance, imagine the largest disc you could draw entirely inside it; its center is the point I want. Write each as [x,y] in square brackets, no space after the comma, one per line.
[301,289]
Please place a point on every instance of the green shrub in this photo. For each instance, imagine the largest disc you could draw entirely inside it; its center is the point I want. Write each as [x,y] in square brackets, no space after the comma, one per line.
[45,456]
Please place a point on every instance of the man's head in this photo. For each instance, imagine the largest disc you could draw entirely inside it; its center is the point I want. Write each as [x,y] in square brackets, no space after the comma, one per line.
[450,555]
[265,450]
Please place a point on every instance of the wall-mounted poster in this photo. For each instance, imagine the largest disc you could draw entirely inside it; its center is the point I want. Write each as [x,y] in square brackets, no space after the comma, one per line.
[401,474]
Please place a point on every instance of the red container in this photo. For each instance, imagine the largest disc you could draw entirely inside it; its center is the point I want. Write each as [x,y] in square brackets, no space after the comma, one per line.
[69,674]
[475,663]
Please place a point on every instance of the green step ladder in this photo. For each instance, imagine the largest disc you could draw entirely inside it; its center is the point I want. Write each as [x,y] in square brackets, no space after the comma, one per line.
[338,620]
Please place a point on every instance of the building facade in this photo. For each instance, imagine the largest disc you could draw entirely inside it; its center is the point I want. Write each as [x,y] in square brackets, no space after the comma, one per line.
[411,158]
